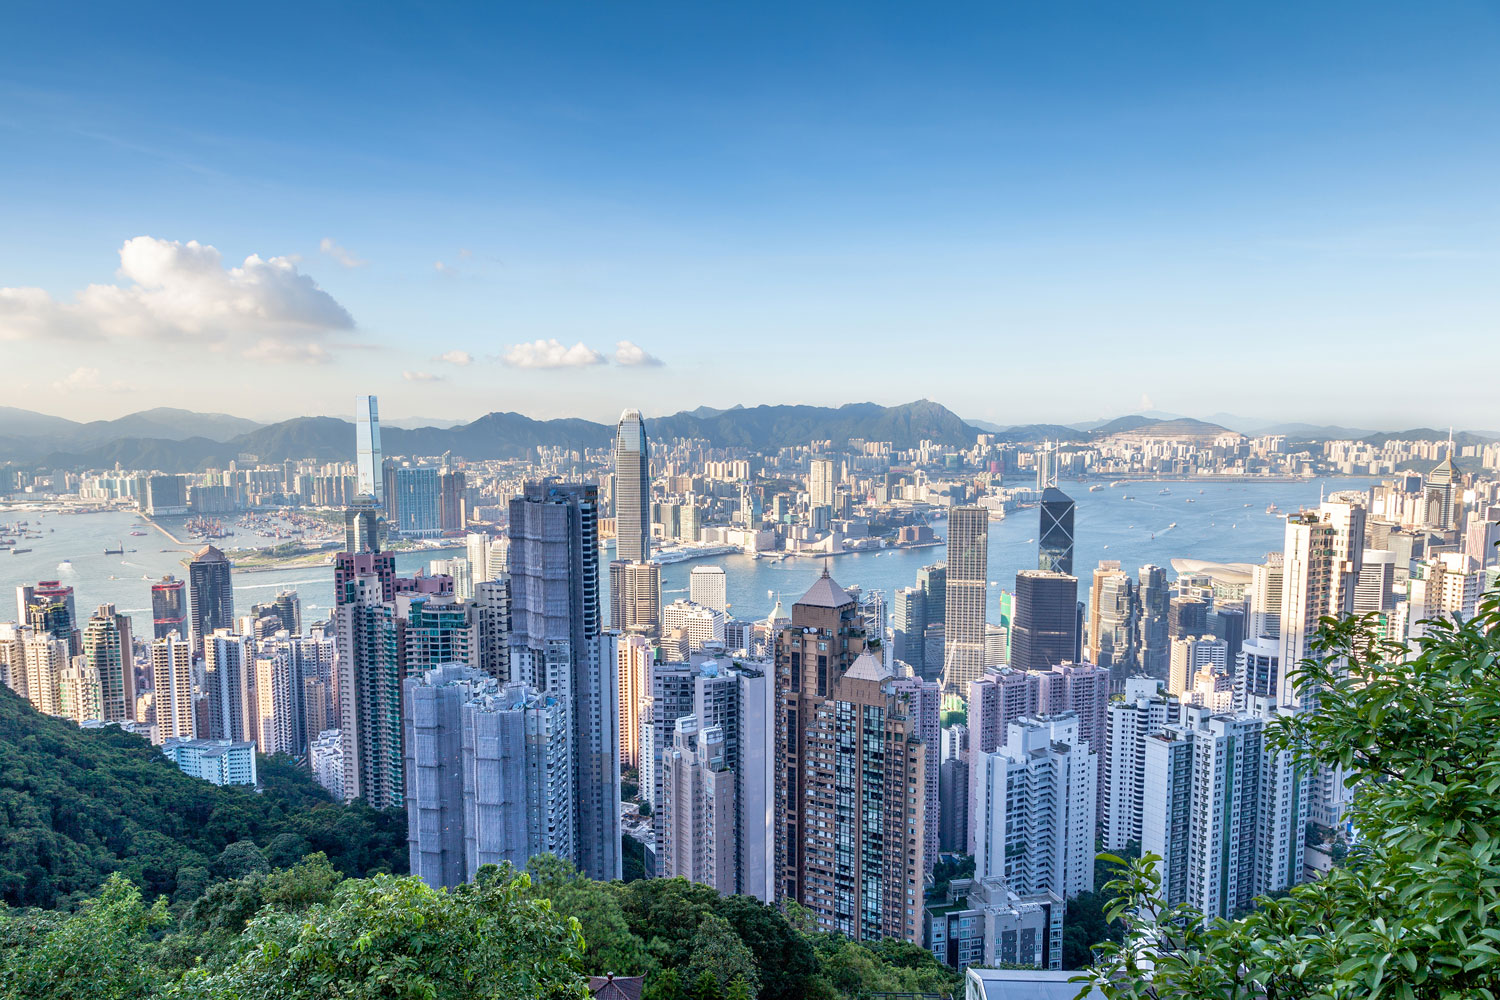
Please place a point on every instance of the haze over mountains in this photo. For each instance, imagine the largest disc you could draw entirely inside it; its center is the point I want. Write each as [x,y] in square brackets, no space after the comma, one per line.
[180,440]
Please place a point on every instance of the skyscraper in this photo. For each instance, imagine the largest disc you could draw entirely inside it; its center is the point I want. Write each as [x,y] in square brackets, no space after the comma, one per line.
[557,645]
[212,591]
[1152,598]
[172,689]
[820,483]
[369,472]
[1044,631]
[908,629]
[632,489]
[633,659]
[1055,543]
[1322,558]
[369,693]
[967,597]
[169,607]
[107,651]
[416,506]
[1112,631]
[229,677]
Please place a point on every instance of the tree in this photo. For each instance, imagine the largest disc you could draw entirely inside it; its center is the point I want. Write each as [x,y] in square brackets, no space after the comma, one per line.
[101,953]
[610,946]
[240,859]
[1415,912]
[705,987]
[718,952]
[395,937]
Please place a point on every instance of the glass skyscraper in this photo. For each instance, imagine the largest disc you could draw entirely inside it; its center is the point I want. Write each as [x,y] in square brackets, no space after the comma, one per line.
[368,480]
[1055,551]
[632,489]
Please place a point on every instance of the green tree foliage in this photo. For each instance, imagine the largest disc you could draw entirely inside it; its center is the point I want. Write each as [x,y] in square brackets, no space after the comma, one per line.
[101,952]
[77,805]
[719,954]
[389,937]
[1415,911]
[1085,925]
[610,944]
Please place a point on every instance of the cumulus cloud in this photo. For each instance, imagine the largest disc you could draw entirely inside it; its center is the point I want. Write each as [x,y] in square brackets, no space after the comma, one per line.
[88,380]
[1146,403]
[341,254]
[421,377]
[627,353]
[551,354]
[460,358]
[442,268]
[265,308]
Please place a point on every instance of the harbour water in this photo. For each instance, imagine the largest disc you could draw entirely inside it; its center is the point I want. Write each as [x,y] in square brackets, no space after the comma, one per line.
[1224,522]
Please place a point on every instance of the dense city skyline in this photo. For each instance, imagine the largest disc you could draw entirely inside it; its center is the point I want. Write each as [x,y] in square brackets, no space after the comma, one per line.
[526,210]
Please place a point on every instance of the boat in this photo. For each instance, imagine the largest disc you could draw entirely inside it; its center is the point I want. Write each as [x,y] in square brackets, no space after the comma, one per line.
[1163,491]
[1191,500]
[141,534]
[119,550]
[1271,509]
[1118,482]
[1200,493]
[1096,488]
[1126,496]
[1172,525]
[19,552]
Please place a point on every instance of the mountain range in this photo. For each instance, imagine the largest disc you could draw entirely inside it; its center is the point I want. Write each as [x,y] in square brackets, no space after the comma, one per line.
[182,441]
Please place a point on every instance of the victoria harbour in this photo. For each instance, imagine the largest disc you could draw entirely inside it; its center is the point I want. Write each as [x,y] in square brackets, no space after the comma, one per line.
[1138,523]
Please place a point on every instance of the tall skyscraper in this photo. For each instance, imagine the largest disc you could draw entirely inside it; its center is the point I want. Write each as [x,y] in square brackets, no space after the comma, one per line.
[453,514]
[107,650]
[1055,543]
[1044,631]
[1322,558]
[369,463]
[416,508]
[632,489]
[229,678]
[908,631]
[1113,630]
[822,639]
[558,646]
[1145,709]
[369,693]
[967,597]
[212,590]
[932,581]
[1152,599]
[633,659]
[169,607]
[172,689]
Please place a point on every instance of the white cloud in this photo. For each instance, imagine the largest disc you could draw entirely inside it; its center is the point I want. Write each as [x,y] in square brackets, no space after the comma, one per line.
[552,354]
[341,254]
[442,268]
[1146,403]
[627,353]
[182,291]
[421,377]
[88,380]
[460,358]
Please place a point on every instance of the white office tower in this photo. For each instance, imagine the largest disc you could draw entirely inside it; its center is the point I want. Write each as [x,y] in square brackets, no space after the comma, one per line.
[229,680]
[635,597]
[633,657]
[557,645]
[731,701]
[172,688]
[1481,536]
[1322,557]
[703,626]
[1144,709]
[1223,814]
[1191,654]
[1034,809]
[488,774]
[1257,671]
[1375,591]
[1264,598]
[707,586]
[691,527]
[632,489]
[486,556]
[820,483]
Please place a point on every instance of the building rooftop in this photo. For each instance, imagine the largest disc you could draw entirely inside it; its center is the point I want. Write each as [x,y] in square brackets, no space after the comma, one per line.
[1025,984]
[868,667]
[825,594]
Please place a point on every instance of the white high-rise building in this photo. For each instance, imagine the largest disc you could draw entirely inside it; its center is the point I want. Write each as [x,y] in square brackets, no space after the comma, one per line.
[172,689]
[967,596]
[1323,554]
[1443,586]
[229,677]
[1034,808]
[1264,598]
[1191,654]
[820,483]
[369,478]
[704,626]
[633,657]
[1145,709]
[1225,814]
[707,585]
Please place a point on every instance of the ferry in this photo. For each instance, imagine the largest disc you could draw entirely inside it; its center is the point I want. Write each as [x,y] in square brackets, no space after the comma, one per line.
[142,534]
[1271,509]
[1118,482]
[1163,491]
[19,552]
[1172,525]
[1096,488]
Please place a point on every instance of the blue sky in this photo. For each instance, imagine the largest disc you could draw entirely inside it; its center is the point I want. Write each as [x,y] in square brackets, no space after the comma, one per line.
[1027,212]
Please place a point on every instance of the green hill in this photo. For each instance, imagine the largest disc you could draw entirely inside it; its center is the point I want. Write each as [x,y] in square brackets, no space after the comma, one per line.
[78,804]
